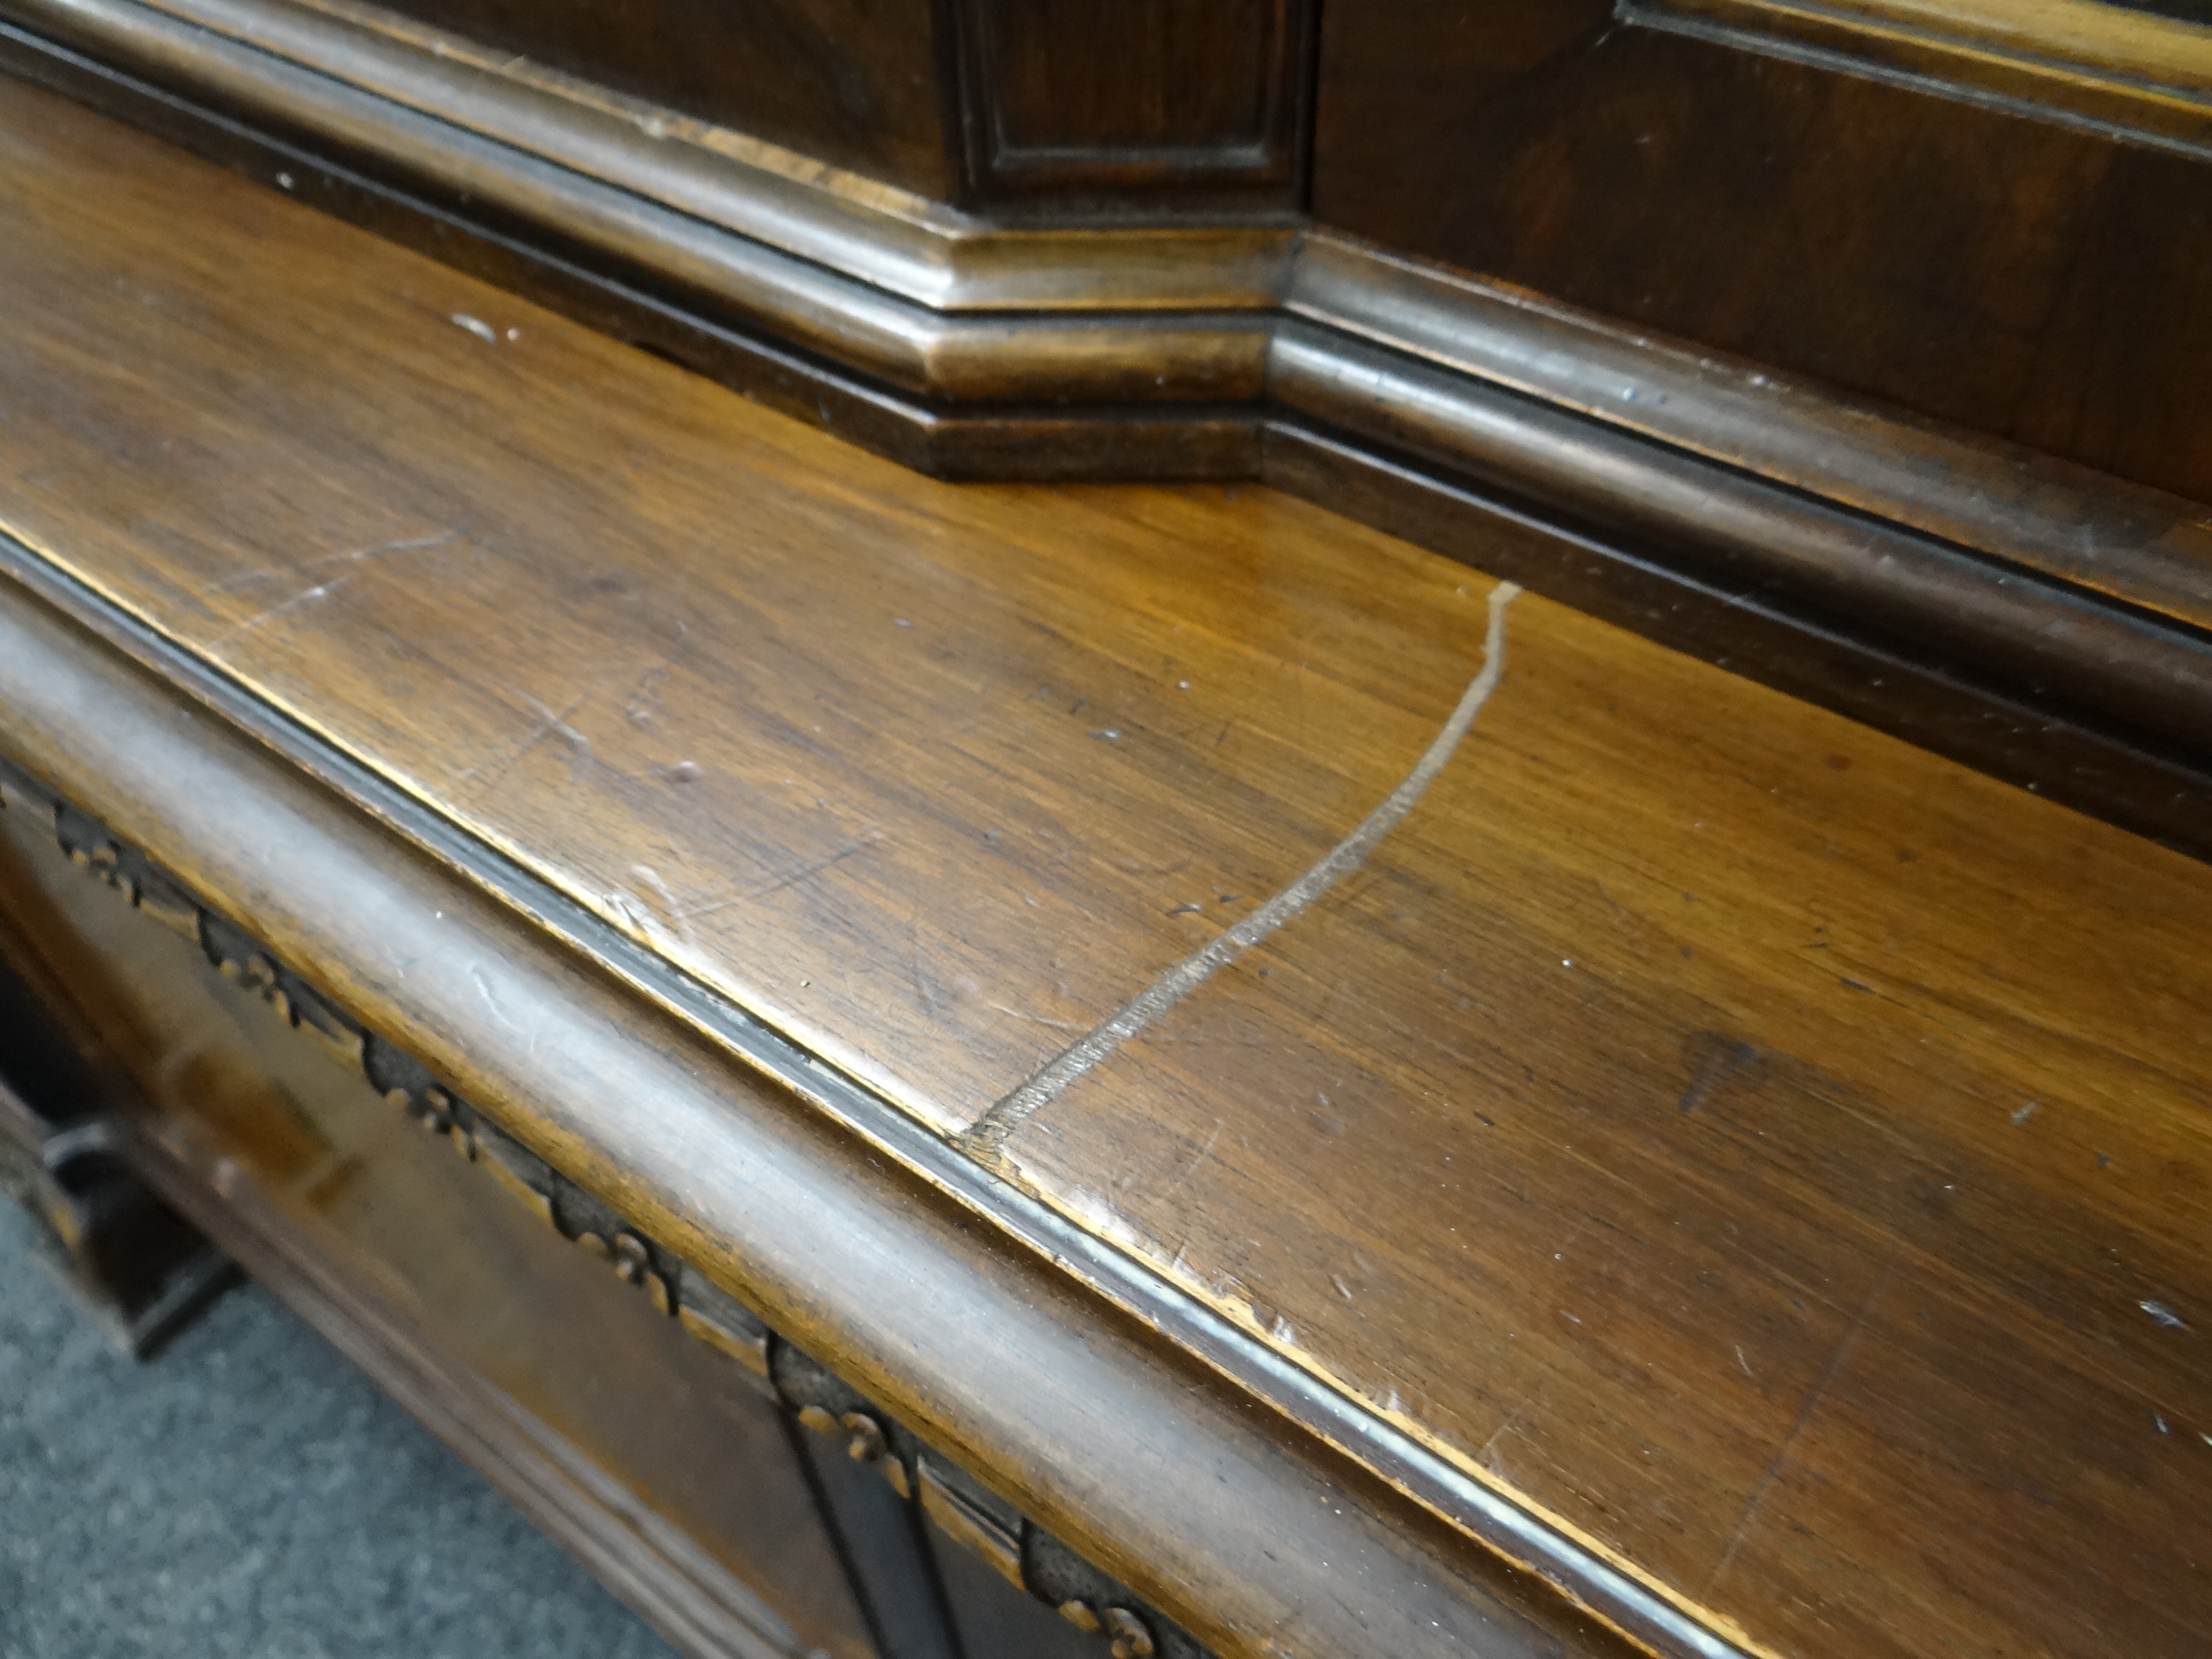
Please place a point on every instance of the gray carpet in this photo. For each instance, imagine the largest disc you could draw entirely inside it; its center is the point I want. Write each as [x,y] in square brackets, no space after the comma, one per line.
[249,1494]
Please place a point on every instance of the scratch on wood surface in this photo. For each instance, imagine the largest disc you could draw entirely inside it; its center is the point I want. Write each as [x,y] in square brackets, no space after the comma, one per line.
[678,917]
[1819,1390]
[1034,1020]
[553,722]
[353,555]
[579,746]
[1716,1060]
[320,591]
[1488,1455]
[491,998]
[1182,1179]
[790,878]
[814,867]
[986,1138]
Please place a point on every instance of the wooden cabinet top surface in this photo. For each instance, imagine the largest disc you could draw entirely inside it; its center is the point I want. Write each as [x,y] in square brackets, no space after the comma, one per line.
[1776,1154]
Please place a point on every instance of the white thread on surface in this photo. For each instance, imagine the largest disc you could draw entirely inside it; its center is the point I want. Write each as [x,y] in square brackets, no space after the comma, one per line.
[986,1136]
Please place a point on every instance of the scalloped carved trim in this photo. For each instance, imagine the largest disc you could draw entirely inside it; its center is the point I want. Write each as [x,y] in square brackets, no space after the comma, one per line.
[961,1508]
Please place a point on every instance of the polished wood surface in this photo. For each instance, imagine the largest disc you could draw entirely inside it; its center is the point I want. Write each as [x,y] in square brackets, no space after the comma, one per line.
[2038,281]
[854,83]
[658,1429]
[1766,1148]
[1001,1337]
[1839,547]
[1139,106]
[2148,74]
[326,1190]
[797,200]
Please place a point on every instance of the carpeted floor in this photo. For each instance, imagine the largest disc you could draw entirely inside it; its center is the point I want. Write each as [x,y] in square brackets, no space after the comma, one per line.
[248,1495]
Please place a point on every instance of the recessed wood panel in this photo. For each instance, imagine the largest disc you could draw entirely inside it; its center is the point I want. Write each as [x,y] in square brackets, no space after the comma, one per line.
[1956,259]
[852,83]
[1146,100]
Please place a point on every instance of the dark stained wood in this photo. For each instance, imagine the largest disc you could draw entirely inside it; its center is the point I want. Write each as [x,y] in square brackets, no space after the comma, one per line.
[891,239]
[2103,688]
[2005,502]
[602,1421]
[1726,1012]
[140,1270]
[1955,259]
[878,1490]
[2137,671]
[2148,77]
[1159,356]
[723,304]
[851,82]
[1761,1288]
[1142,103]
[1916,697]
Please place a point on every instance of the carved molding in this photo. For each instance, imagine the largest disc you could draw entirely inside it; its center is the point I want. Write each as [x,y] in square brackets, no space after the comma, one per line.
[1431,403]
[487,122]
[960,1506]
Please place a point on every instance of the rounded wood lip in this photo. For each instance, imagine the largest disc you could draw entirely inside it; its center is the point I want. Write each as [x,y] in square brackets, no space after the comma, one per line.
[1186,344]
[265,783]
[129,232]
[922,251]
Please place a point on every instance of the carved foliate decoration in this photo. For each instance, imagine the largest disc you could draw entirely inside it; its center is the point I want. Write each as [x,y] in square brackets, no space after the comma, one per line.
[960,1506]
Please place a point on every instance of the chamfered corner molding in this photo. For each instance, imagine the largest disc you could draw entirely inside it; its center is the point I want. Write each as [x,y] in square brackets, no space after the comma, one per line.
[1116,350]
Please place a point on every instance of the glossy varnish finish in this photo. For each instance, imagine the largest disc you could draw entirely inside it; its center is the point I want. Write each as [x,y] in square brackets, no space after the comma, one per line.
[2148,77]
[1769,1150]
[2049,636]
[381,1237]
[853,83]
[2017,277]
[759,1166]
[1135,105]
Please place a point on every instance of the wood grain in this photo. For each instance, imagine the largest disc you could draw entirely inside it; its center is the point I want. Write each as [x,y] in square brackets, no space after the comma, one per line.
[2106,698]
[1941,255]
[990,1345]
[852,82]
[513,1344]
[1711,1021]
[1138,107]
[1760,1200]
[2148,74]
[2006,502]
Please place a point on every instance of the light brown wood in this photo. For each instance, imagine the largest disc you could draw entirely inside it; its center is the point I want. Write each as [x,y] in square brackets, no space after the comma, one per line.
[987,1343]
[1771,1150]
